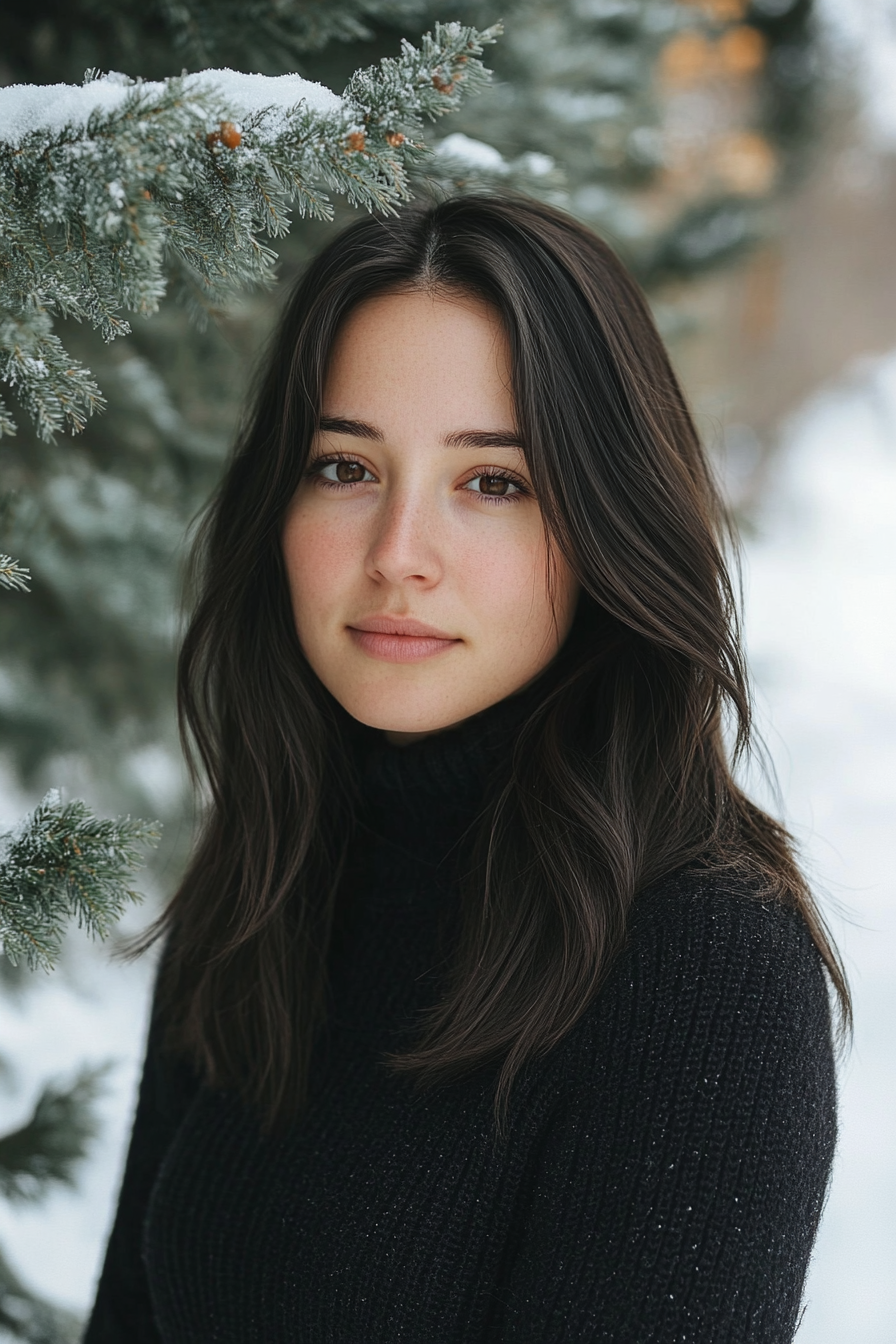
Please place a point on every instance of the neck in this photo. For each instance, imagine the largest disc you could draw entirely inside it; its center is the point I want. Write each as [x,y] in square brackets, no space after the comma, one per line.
[396,738]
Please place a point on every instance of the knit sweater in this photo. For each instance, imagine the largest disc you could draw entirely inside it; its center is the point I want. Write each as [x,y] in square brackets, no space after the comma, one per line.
[661,1176]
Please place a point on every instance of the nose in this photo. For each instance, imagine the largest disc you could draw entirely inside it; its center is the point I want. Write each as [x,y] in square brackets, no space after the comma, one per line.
[404,544]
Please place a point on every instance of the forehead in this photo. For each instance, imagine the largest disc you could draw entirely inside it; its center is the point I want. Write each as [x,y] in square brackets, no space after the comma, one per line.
[436,358]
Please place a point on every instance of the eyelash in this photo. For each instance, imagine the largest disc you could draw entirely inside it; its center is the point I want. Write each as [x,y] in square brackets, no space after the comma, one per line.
[316,467]
[494,473]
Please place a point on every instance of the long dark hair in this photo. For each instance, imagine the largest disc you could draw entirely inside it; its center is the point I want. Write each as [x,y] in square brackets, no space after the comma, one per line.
[620,773]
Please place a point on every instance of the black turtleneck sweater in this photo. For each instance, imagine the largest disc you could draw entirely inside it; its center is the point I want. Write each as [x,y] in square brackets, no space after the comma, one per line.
[662,1173]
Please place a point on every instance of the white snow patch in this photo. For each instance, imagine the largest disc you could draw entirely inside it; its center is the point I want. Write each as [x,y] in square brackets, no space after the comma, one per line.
[249,94]
[55,107]
[160,774]
[865,31]
[821,633]
[476,153]
[539,165]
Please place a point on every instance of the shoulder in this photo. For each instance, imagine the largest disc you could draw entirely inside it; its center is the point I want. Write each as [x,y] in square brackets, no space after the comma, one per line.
[727,924]
[714,969]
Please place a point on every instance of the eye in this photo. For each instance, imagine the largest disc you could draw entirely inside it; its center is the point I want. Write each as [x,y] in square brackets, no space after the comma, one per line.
[495,485]
[340,471]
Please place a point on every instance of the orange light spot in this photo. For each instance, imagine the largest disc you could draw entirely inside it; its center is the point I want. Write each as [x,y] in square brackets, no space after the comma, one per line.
[741,51]
[746,163]
[687,59]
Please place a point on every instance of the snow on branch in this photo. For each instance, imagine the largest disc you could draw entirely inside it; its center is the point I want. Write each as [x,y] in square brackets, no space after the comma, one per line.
[62,863]
[460,163]
[53,109]
[108,188]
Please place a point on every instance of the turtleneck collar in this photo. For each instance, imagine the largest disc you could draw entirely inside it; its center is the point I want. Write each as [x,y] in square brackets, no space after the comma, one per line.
[427,793]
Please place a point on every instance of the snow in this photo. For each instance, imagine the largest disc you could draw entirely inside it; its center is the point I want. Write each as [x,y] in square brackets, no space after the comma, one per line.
[475,153]
[821,630]
[248,94]
[821,602]
[54,107]
[96,1014]
[539,165]
[864,31]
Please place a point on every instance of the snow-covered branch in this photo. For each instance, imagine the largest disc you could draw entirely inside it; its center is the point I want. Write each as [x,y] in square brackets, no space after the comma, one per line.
[107,188]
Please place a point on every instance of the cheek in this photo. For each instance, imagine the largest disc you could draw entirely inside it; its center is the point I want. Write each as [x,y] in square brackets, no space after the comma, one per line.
[504,580]
[321,557]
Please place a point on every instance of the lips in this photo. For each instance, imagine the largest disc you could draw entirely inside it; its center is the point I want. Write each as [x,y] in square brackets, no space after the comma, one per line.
[399,625]
[399,639]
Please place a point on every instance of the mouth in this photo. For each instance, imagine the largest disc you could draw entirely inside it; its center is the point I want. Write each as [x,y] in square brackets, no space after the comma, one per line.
[399,639]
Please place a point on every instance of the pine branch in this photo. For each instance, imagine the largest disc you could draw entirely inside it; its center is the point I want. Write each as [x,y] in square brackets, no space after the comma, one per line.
[105,189]
[56,391]
[25,1316]
[48,1147]
[63,863]
[13,575]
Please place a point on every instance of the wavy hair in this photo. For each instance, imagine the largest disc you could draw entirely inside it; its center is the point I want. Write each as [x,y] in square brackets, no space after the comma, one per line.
[619,774]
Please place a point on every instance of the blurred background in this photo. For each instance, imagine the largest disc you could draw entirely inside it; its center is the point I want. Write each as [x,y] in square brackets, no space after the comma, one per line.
[742,158]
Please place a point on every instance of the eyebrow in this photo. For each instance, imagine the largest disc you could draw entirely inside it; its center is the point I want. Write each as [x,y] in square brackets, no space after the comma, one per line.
[461,438]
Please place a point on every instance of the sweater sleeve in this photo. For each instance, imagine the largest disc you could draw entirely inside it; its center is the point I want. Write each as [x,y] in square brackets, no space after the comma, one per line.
[122,1312]
[677,1193]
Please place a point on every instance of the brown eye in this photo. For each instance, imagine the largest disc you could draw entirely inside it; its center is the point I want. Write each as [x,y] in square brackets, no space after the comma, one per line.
[342,471]
[348,472]
[494,485]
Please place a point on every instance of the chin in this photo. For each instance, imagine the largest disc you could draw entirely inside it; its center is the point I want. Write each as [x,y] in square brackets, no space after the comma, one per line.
[403,717]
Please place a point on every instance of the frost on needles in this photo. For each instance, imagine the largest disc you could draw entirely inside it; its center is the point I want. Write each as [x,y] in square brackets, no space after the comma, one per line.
[61,863]
[108,189]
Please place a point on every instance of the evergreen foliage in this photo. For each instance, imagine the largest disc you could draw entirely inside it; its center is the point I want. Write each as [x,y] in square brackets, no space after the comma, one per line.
[60,864]
[47,1148]
[177,175]
[42,1152]
[12,574]
[674,121]
[153,37]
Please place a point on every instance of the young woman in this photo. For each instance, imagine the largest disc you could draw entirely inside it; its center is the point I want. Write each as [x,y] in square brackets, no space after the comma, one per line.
[490,1009]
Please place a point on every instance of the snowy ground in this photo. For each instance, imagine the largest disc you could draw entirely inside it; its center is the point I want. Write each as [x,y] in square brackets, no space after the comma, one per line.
[821,629]
[821,623]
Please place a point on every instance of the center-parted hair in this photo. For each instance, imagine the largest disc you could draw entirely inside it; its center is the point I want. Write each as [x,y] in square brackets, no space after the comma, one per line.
[619,774]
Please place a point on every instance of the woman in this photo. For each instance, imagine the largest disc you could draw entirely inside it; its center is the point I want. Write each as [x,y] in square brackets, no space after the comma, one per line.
[491,1009]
